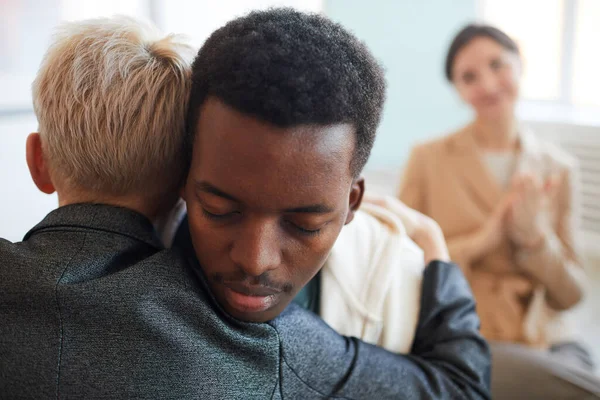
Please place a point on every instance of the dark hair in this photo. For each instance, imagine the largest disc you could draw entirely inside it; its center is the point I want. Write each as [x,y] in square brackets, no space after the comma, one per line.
[290,68]
[473,31]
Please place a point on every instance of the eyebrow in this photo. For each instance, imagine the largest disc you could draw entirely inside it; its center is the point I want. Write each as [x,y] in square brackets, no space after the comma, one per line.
[206,187]
[312,209]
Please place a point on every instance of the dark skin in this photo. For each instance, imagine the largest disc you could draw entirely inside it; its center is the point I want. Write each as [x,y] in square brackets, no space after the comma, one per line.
[265,206]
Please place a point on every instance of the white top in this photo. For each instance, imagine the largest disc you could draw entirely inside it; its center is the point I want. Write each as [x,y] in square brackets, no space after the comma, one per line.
[501,164]
[167,225]
[371,283]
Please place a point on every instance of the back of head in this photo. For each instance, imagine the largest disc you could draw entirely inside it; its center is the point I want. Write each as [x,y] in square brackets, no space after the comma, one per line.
[289,68]
[110,97]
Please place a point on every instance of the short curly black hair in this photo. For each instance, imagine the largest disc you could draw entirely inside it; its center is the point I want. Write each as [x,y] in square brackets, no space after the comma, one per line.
[291,68]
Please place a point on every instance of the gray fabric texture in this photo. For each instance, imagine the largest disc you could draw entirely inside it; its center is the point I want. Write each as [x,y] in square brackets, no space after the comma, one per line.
[91,306]
[449,358]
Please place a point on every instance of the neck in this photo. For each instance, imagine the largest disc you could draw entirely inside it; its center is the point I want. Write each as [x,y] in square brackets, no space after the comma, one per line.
[496,135]
[141,205]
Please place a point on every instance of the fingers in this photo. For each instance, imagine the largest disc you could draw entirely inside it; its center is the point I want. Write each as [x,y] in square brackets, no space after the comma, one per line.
[376,199]
[551,185]
[530,191]
[410,218]
[507,203]
[525,181]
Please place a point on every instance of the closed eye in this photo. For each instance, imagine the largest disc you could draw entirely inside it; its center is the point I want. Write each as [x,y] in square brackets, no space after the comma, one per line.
[305,231]
[218,217]
[496,64]
[468,77]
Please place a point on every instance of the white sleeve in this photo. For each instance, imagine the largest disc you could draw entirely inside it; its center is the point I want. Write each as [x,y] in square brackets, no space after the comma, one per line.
[167,226]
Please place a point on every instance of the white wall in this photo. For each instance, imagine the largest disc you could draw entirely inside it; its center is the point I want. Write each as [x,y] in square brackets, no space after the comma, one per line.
[21,204]
[410,38]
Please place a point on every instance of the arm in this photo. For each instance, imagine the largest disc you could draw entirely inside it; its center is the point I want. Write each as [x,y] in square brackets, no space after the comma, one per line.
[463,249]
[449,358]
[412,185]
[553,261]
[467,249]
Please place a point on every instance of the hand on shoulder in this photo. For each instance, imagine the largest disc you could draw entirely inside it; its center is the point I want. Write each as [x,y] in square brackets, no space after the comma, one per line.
[424,231]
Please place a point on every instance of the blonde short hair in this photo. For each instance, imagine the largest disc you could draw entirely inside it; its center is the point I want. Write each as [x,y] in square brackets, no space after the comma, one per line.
[110,98]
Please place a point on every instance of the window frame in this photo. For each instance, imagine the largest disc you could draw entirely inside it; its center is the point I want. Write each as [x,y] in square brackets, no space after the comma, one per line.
[563,109]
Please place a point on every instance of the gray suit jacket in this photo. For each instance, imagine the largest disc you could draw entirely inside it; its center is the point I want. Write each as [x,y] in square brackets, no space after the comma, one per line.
[92,306]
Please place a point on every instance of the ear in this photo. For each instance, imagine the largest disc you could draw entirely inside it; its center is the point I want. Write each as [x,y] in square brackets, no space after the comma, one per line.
[355,199]
[37,164]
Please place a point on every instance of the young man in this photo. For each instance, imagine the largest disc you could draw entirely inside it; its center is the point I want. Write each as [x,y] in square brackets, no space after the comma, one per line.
[282,118]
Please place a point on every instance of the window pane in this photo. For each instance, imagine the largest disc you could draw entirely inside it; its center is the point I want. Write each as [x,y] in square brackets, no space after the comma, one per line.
[537,27]
[199,19]
[77,9]
[25,29]
[586,62]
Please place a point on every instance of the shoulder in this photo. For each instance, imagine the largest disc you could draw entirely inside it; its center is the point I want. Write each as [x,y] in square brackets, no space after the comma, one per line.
[378,225]
[6,247]
[440,145]
[549,158]
[19,259]
[12,262]
[555,155]
[374,234]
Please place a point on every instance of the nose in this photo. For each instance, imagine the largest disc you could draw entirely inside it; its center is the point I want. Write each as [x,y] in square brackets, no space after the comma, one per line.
[258,248]
[489,83]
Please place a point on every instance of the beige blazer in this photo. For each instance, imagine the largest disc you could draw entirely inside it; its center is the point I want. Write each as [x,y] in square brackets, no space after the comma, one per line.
[446,180]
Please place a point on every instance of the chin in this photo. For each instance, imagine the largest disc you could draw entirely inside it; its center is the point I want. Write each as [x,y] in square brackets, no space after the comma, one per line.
[498,112]
[254,317]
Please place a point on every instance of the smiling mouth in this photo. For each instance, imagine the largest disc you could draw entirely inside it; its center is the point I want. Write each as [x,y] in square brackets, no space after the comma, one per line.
[491,101]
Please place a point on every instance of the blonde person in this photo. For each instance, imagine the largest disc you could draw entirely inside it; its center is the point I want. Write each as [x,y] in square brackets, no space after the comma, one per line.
[507,204]
[90,302]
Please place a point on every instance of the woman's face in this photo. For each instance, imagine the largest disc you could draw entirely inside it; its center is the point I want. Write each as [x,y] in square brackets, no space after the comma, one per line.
[486,75]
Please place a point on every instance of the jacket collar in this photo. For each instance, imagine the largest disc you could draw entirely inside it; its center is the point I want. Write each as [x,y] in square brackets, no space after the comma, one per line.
[99,217]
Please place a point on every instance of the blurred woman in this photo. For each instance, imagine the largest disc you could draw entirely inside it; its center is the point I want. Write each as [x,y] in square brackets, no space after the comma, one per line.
[507,204]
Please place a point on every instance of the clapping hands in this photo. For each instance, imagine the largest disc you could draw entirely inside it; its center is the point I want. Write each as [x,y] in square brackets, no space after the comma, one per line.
[525,222]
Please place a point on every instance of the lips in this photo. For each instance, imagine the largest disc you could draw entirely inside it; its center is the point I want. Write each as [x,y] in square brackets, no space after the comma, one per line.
[491,100]
[251,290]
[248,298]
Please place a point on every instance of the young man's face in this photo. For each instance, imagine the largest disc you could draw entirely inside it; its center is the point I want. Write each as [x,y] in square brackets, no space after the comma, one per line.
[266,205]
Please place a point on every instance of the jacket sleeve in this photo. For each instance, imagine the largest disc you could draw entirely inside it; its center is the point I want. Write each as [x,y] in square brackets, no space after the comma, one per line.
[557,265]
[449,358]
